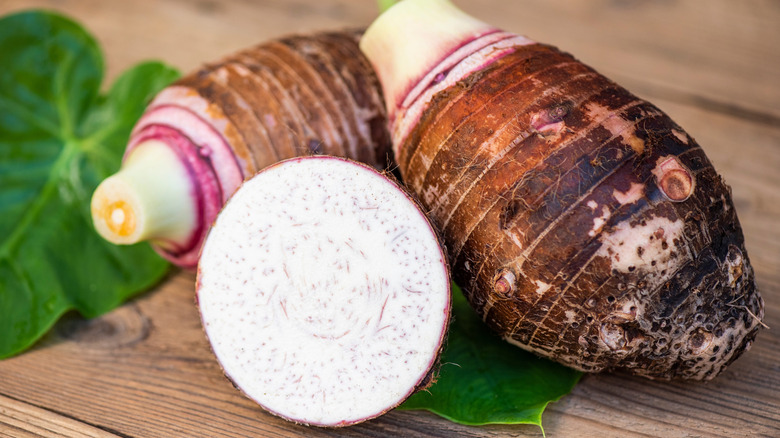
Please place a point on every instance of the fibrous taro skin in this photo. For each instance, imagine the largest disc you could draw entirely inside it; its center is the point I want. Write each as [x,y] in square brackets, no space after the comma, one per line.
[582,223]
[324,291]
[294,96]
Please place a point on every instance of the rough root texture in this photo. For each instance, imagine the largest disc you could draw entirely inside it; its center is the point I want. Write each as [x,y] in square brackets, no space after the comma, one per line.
[583,223]
[324,291]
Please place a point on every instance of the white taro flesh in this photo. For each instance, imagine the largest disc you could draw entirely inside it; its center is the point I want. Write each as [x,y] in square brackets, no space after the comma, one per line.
[324,291]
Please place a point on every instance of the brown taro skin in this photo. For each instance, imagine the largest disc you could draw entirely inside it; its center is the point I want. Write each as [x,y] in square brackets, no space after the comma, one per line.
[309,94]
[299,95]
[582,223]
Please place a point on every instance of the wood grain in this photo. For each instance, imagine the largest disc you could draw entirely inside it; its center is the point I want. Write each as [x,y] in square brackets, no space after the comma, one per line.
[145,370]
[21,419]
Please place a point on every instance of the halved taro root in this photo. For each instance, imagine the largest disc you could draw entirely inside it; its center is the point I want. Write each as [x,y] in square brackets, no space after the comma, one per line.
[324,291]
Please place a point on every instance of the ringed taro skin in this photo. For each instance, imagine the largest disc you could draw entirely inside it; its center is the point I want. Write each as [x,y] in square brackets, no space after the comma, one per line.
[582,223]
[203,135]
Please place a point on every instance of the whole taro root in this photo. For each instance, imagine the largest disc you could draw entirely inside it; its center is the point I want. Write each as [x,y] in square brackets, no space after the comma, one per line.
[582,223]
[203,135]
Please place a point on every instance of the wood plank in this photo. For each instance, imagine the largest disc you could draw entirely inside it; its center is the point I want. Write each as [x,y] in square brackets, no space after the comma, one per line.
[712,53]
[19,419]
[145,370]
[188,33]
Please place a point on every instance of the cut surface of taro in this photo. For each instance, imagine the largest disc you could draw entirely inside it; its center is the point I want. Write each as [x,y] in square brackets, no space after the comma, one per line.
[324,291]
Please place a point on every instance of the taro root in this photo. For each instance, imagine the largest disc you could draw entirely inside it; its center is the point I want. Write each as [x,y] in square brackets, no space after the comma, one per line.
[202,136]
[324,291]
[581,222]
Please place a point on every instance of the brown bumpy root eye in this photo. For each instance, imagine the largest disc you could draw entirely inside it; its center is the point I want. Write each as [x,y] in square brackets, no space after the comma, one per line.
[677,185]
[699,341]
[504,284]
[673,178]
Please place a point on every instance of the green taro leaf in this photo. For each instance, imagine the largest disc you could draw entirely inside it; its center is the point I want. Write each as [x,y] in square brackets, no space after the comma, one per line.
[59,137]
[485,380]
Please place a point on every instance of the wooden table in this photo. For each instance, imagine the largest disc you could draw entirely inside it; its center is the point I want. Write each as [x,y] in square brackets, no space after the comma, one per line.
[145,370]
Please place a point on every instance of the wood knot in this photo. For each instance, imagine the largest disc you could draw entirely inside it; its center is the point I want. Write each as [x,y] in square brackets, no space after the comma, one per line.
[124,326]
